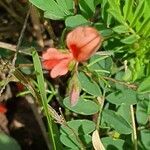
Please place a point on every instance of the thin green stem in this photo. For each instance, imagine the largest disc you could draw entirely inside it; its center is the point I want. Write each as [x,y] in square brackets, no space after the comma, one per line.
[101,102]
[134,134]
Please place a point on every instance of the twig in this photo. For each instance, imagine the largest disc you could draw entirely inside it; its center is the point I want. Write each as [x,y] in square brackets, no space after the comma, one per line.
[132,86]
[17,51]
[8,46]
[101,102]
[21,37]
[105,53]
[12,48]
[36,25]
[134,134]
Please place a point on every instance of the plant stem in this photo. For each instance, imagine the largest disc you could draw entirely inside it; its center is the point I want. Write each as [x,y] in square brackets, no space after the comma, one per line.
[134,134]
[101,102]
[132,86]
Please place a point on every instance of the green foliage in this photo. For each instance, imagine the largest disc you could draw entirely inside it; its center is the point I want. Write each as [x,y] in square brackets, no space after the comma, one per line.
[143,112]
[126,96]
[145,139]
[89,85]
[91,107]
[77,20]
[117,122]
[54,9]
[80,127]
[115,83]
[113,144]
[8,143]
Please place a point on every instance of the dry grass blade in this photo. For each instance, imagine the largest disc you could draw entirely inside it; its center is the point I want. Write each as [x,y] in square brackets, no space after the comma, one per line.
[97,144]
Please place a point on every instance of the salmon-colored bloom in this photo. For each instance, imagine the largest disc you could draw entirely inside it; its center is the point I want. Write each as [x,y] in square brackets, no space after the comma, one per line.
[82,43]
[56,61]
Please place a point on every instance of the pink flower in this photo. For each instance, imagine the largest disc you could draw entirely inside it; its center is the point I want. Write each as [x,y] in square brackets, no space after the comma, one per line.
[82,42]
[56,61]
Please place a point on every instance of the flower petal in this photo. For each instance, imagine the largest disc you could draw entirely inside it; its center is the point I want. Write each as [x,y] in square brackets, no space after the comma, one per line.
[60,69]
[53,57]
[83,42]
[49,64]
[53,53]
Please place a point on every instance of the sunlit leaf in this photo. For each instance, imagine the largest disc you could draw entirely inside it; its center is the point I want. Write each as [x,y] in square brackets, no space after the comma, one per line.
[127,9]
[121,29]
[138,13]
[77,20]
[130,39]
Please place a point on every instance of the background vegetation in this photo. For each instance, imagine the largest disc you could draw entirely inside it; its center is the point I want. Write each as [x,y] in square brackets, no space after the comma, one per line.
[113,111]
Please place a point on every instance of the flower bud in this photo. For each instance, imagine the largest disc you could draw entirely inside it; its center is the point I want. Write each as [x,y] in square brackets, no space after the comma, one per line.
[83,42]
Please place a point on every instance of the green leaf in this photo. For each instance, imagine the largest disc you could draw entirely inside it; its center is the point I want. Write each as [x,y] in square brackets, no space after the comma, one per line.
[144,86]
[113,144]
[144,26]
[8,143]
[79,127]
[124,111]
[72,143]
[98,62]
[126,96]
[127,9]
[91,107]
[87,7]
[77,20]
[116,121]
[121,29]
[115,5]
[88,85]
[138,13]
[142,113]
[145,134]
[52,9]
[63,5]
[130,39]
[117,15]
